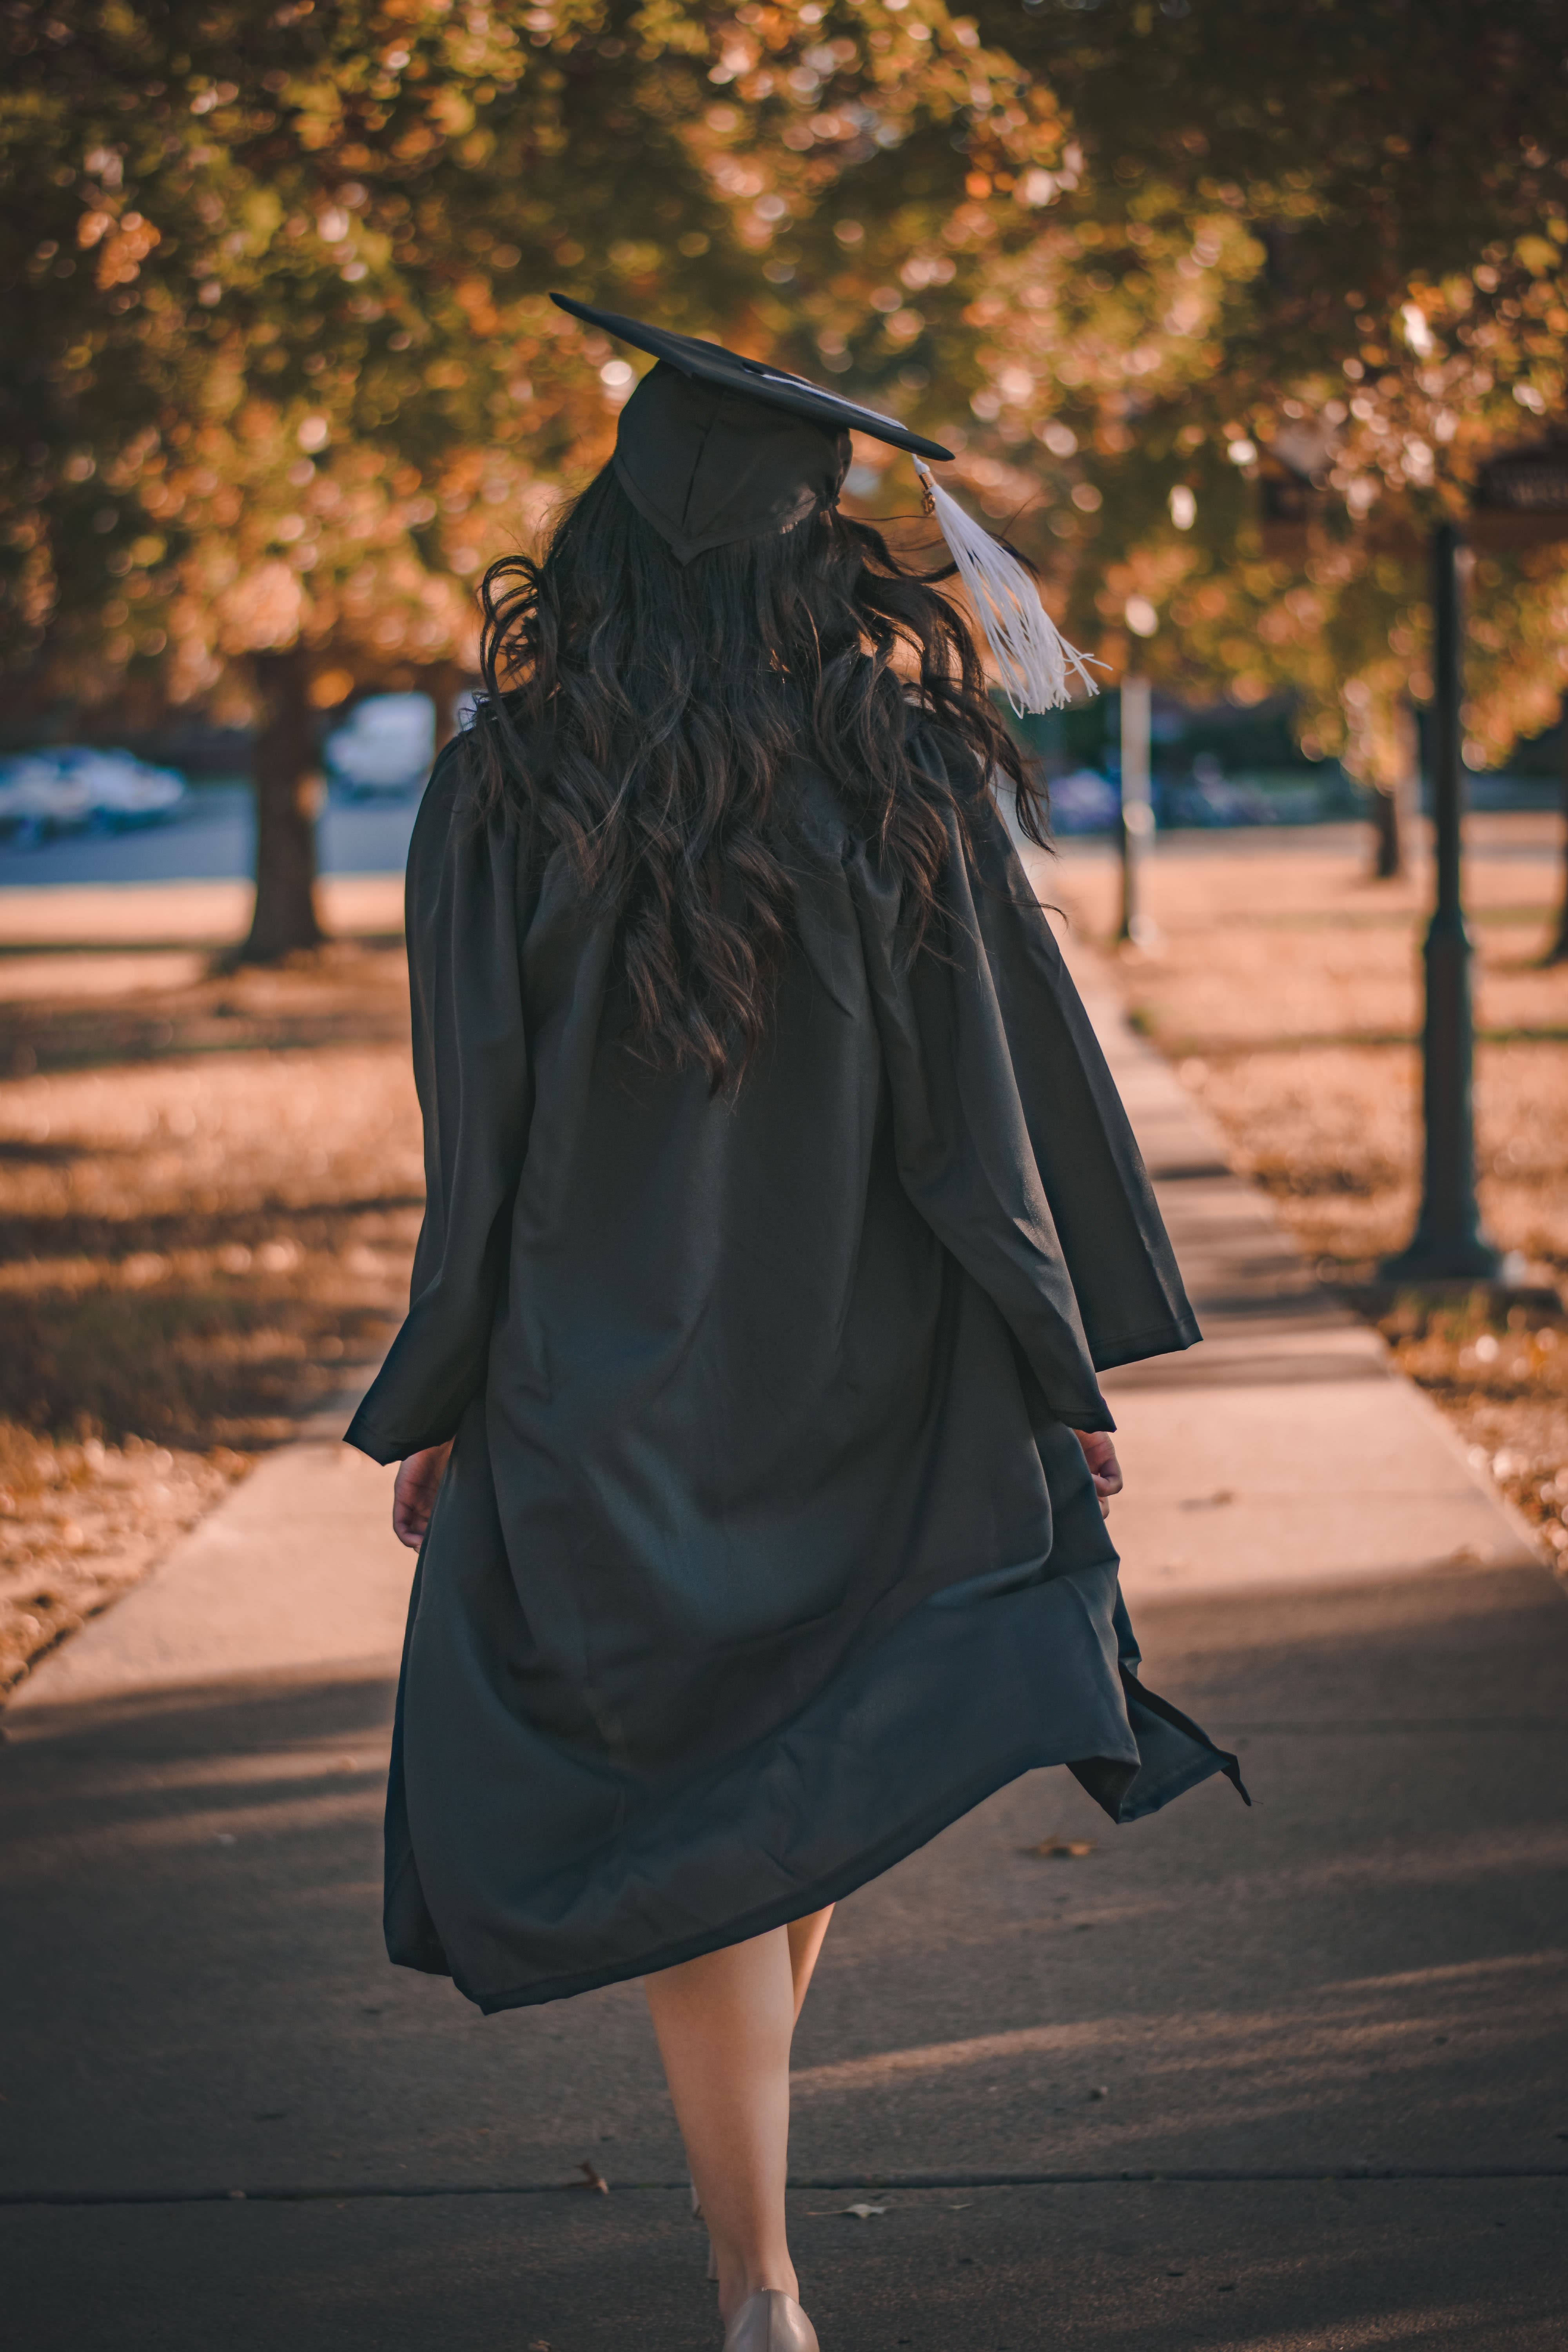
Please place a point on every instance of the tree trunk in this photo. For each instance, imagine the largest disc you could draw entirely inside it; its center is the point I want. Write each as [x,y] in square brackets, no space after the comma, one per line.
[1387,849]
[288,792]
[1558,951]
[1393,808]
[444,682]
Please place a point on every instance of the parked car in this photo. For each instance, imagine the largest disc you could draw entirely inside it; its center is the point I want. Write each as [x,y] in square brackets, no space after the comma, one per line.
[1205,797]
[1085,801]
[79,787]
[385,745]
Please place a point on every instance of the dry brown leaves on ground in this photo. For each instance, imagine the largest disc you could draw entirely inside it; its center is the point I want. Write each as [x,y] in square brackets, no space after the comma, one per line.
[1286,987]
[79,1524]
[208,1199]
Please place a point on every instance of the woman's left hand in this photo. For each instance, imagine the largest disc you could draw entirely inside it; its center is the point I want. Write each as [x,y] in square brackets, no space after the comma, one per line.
[1103,1466]
[413,1496]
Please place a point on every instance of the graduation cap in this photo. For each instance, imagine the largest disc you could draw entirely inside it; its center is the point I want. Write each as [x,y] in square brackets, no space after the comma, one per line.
[713,449]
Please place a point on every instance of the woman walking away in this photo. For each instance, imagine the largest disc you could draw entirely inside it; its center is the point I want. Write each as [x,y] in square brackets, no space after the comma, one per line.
[780,1212]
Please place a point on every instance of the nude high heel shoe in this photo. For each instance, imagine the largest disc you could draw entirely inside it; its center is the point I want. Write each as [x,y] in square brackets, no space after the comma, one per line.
[770,2321]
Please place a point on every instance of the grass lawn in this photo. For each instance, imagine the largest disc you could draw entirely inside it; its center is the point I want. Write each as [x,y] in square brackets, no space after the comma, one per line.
[209,1192]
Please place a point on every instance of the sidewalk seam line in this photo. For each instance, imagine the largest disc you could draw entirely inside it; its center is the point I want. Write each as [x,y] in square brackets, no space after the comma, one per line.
[1219,2176]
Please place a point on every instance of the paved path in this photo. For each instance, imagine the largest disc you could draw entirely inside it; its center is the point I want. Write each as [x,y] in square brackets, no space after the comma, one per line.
[1286,1450]
[1283,2079]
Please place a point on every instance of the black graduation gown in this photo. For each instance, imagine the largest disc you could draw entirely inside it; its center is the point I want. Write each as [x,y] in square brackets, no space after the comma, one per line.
[766,1548]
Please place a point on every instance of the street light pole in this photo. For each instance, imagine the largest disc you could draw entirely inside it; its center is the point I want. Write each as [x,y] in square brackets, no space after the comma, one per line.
[1449,1242]
[1558,951]
[1136,827]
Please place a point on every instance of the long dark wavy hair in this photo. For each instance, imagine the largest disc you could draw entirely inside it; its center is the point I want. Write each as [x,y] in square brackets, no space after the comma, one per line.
[641,714]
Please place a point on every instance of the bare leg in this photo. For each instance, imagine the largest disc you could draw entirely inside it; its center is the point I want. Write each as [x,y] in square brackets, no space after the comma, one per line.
[805,1939]
[724,2023]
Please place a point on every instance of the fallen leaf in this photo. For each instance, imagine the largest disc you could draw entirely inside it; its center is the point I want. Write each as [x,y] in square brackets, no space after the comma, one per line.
[592,2178]
[865,2212]
[1060,1848]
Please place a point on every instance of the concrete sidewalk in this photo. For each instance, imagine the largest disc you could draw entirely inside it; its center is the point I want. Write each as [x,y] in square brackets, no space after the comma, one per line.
[1282,2079]
[296,1574]
[1286,1450]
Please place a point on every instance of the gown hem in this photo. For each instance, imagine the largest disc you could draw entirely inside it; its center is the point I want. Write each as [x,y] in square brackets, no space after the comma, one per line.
[797,1905]
[854,1873]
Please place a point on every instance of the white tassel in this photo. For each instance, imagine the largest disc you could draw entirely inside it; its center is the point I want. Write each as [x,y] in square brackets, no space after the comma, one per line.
[1034,661]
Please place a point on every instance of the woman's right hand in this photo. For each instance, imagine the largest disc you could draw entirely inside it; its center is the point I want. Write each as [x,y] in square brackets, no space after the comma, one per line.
[1103,1466]
[413,1496]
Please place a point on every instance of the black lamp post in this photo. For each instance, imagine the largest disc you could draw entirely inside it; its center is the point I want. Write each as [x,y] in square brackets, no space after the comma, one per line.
[1521,501]
[1449,1242]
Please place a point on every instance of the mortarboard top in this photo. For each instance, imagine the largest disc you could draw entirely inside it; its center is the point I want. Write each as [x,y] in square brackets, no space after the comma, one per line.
[712,449]
[711,364]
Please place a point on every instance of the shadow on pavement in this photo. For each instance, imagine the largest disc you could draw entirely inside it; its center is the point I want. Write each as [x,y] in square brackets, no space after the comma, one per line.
[1335,2026]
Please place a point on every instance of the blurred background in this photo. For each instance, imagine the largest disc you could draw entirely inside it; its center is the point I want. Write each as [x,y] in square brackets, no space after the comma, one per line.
[1228,320]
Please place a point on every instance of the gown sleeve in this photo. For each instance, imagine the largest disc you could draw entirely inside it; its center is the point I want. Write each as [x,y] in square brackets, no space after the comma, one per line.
[1124,1274]
[1009,1134]
[464,923]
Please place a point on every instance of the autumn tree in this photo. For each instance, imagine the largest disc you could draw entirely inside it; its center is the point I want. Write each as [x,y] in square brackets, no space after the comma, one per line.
[269,409]
[283,374]
[1323,246]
